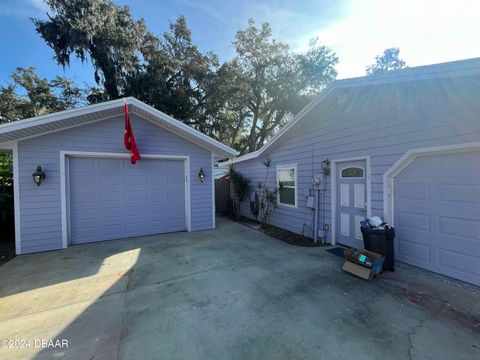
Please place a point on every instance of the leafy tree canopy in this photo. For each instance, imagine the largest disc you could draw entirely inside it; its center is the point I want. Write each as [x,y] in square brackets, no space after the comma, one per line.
[98,30]
[388,61]
[269,84]
[28,95]
[241,102]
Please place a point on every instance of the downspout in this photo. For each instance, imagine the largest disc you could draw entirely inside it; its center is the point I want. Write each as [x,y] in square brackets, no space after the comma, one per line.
[315,234]
[324,239]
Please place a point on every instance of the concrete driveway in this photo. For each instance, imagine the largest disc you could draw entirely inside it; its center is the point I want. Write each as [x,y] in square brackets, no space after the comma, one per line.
[232,293]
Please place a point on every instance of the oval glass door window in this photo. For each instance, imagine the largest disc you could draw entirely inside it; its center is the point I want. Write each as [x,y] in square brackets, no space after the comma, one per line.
[352,172]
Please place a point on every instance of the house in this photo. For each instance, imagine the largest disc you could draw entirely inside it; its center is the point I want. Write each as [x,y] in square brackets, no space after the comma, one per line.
[220,172]
[91,192]
[403,145]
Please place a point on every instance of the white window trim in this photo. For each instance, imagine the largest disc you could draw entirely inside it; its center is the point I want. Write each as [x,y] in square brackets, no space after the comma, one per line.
[64,155]
[354,177]
[288,167]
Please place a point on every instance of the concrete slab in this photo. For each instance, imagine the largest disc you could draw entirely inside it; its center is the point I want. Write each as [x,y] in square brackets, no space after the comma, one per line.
[231,293]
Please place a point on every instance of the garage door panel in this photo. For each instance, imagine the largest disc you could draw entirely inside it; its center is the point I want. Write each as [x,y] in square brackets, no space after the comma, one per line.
[467,228]
[414,221]
[134,228]
[459,193]
[134,195]
[111,164]
[439,229]
[459,244]
[111,231]
[414,191]
[134,180]
[136,201]
[157,195]
[464,263]
[110,195]
[110,212]
[414,250]
[135,211]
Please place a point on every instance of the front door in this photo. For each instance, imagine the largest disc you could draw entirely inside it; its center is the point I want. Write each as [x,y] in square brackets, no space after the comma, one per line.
[351,178]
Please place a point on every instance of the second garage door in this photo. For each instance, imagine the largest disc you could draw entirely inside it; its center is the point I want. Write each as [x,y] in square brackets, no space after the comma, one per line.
[437,214]
[112,199]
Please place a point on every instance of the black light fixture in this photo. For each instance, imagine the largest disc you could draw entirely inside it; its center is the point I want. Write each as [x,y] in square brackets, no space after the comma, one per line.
[201,175]
[325,164]
[38,176]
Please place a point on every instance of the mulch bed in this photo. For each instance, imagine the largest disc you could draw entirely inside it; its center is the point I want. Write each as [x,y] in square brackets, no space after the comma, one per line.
[280,234]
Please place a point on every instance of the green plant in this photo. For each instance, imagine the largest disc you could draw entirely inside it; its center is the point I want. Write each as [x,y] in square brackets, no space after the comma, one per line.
[265,199]
[6,187]
[240,186]
[255,206]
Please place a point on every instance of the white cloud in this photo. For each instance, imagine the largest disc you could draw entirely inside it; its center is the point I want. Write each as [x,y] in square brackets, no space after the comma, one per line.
[23,8]
[39,5]
[426,32]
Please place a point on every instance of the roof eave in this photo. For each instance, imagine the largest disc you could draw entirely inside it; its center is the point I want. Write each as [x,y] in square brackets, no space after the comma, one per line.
[44,122]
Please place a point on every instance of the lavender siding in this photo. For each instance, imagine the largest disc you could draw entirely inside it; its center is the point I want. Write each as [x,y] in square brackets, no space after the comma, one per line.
[383,122]
[40,212]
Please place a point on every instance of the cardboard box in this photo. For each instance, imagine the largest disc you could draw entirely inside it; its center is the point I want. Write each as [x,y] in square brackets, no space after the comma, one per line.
[362,270]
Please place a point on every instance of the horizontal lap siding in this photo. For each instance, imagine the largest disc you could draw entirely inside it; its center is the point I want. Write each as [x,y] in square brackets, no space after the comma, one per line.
[40,206]
[382,122]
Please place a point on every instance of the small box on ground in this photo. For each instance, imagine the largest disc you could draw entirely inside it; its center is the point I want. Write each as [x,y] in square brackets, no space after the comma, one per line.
[363,263]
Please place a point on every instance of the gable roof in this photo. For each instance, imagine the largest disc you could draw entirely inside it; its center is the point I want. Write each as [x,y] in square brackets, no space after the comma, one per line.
[40,125]
[442,70]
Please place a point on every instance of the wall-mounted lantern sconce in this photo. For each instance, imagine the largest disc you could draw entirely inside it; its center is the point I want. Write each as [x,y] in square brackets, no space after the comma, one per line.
[325,164]
[38,176]
[201,175]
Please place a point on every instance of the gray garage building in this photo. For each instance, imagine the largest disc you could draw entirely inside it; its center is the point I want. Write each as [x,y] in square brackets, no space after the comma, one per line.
[403,145]
[91,191]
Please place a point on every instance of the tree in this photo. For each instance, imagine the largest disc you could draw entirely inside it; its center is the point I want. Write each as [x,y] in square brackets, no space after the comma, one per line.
[272,84]
[240,186]
[28,95]
[241,102]
[98,30]
[179,79]
[388,61]
[6,191]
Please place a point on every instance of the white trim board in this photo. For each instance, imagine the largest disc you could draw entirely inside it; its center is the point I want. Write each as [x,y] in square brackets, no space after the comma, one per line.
[64,155]
[16,199]
[333,190]
[407,159]
[214,225]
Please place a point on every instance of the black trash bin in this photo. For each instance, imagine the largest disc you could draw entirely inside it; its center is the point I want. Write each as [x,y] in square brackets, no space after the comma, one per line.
[381,241]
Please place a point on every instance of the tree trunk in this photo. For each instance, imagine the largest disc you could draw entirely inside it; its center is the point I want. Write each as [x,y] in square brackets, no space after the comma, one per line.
[252,138]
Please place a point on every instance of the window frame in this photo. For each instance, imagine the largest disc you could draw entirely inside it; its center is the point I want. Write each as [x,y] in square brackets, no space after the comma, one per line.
[288,167]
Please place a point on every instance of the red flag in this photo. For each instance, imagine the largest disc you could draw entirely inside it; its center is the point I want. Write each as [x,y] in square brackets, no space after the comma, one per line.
[129,138]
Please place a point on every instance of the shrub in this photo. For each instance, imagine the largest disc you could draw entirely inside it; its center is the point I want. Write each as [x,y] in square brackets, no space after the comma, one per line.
[240,186]
[265,200]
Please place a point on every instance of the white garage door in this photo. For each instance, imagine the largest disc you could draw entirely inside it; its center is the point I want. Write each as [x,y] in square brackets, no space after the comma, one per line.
[437,214]
[112,199]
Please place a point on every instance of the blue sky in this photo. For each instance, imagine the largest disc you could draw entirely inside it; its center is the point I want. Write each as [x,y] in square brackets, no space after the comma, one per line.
[426,31]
